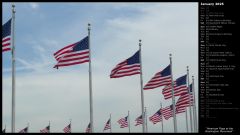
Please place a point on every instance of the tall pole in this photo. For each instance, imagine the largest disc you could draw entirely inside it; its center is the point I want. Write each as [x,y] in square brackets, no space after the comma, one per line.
[90,83]
[190,107]
[194,104]
[145,112]
[70,125]
[13,68]
[161,116]
[141,83]
[28,127]
[186,120]
[173,98]
[49,126]
[128,122]
[110,123]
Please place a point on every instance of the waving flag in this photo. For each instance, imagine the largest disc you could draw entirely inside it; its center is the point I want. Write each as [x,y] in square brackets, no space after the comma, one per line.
[123,122]
[182,103]
[67,129]
[25,130]
[139,120]
[161,78]
[167,112]
[45,130]
[157,117]
[73,54]
[88,129]
[180,87]
[128,67]
[107,126]
[6,36]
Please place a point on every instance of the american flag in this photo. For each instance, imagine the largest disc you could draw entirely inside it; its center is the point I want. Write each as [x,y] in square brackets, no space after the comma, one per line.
[182,103]
[161,78]
[25,130]
[157,117]
[167,112]
[139,120]
[107,126]
[128,67]
[67,129]
[180,87]
[88,129]
[73,54]
[6,36]
[45,130]
[123,122]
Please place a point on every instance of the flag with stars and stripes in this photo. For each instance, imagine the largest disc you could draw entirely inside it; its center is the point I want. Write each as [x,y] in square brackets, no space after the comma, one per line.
[139,120]
[123,122]
[157,117]
[161,78]
[73,54]
[180,87]
[107,126]
[6,36]
[128,67]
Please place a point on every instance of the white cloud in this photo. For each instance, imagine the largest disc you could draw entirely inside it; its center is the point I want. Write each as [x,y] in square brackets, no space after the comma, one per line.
[34,5]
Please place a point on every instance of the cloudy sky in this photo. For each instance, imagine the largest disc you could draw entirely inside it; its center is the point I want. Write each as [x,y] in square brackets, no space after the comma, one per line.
[45,94]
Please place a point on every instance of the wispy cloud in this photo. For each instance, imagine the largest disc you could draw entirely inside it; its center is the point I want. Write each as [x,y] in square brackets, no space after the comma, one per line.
[34,5]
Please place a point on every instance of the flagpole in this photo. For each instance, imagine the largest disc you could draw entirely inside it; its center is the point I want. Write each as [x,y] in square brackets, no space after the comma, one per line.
[145,112]
[186,120]
[194,104]
[173,98]
[128,122]
[49,126]
[161,116]
[190,108]
[70,125]
[27,127]
[90,83]
[110,123]
[13,68]
[141,84]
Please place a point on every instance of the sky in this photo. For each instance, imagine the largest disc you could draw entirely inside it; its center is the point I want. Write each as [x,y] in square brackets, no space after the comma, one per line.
[45,94]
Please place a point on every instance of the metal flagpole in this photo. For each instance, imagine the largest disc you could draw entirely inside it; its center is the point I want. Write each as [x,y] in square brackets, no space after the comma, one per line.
[186,120]
[110,123]
[161,116]
[190,108]
[28,127]
[70,125]
[13,68]
[128,122]
[145,112]
[173,98]
[194,105]
[90,83]
[141,83]
[49,126]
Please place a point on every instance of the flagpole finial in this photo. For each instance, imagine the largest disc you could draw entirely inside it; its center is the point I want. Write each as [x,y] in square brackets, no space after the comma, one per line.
[89,25]
[140,42]
[13,8]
